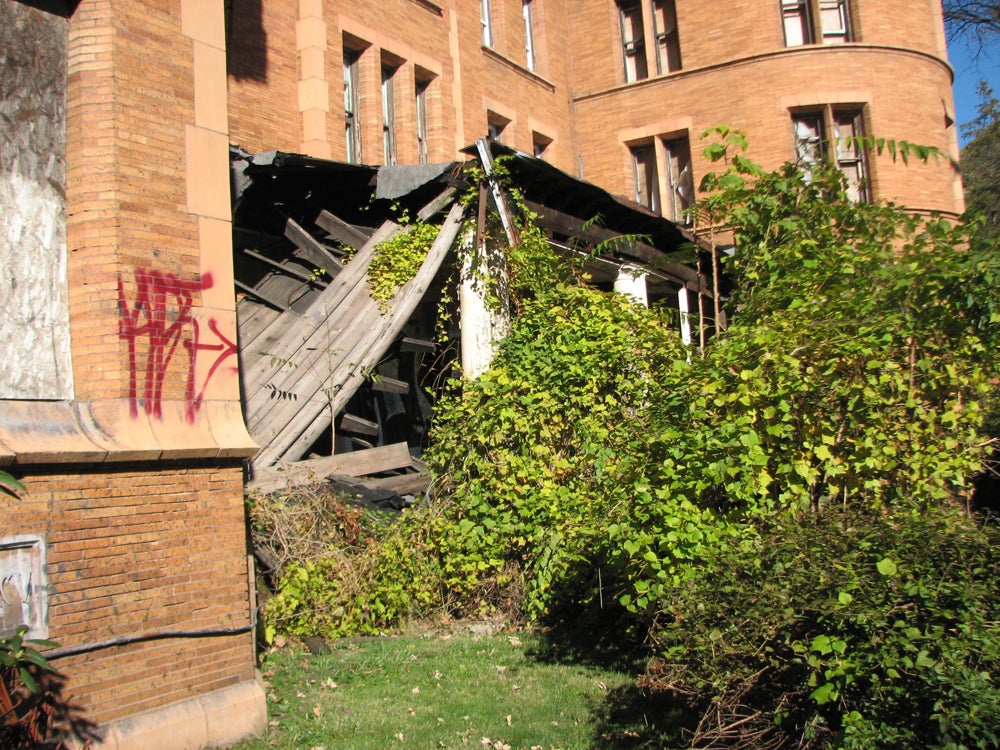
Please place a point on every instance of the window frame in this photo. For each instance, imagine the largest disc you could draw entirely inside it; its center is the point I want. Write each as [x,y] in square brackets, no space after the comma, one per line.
[495,125]
[527,14]
[352,105]
[809,17]
[420,87]
[631,18]
[828,144]
[666,41]
[680,177]
[388,90]
[486,22]
[645,175]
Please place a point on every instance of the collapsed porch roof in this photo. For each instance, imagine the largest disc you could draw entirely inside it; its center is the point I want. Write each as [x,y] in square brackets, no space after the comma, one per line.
[310,338]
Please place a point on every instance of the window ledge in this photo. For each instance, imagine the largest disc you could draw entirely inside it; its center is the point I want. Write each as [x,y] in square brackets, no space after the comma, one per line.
[434,8]
[531,75]
[753,60]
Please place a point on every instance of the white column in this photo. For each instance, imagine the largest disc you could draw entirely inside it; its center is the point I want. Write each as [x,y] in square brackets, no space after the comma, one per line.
[632,281]
[682,307]
[481,326]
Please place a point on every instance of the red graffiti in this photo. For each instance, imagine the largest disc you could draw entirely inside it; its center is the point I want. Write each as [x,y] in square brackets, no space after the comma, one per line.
[161,315]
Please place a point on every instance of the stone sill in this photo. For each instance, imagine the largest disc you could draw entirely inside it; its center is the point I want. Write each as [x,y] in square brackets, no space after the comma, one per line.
[106,431]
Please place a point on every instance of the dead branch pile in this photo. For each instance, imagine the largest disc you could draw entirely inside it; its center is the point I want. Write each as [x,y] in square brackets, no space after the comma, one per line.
[302,525]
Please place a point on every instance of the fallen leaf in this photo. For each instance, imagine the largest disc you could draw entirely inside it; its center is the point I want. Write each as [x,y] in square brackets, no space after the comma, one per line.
[509,720]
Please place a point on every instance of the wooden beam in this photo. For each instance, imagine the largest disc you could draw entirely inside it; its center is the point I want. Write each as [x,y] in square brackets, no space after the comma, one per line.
[289,270]
[571,226]
[436,205]
[408,344]
[402,484]
[276,304]
[389,385]
[353,464]
[314,250]
[371,334]
[340,230]
[353,423]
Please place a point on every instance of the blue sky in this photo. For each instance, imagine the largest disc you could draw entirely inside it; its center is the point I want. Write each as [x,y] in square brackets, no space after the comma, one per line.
[970,67]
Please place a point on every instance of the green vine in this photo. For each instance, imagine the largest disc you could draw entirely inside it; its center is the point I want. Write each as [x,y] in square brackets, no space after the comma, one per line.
[398,259]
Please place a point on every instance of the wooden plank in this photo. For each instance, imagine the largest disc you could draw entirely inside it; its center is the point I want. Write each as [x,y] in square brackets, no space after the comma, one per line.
[312,279]
[409,344]
[363,346]
[252,318]
[341,231]
[313,249]
[293,338]
[276,304]
[354,423]
[414,483]
[353,464]
[386,384]
[506,216]
[438,204]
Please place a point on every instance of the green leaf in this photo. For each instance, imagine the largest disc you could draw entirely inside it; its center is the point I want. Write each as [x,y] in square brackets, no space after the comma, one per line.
[824,693]
[886,567]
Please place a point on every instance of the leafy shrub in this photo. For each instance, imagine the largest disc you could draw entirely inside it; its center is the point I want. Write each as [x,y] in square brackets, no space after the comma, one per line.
[34,712]
[842,628]
[537,456]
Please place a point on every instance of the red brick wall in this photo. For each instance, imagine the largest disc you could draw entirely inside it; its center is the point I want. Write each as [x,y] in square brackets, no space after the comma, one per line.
[736,72]
[134,550]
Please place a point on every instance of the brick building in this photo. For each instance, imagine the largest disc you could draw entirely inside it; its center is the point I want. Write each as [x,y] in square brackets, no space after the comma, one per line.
[614,91]
[120,396]
[120,400]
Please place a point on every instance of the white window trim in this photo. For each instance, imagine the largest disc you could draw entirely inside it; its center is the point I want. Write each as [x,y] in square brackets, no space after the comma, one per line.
[486,21]
[529,34]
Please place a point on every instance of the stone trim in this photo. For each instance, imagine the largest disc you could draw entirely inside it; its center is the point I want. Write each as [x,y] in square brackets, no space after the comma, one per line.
[107,431]
[216,719]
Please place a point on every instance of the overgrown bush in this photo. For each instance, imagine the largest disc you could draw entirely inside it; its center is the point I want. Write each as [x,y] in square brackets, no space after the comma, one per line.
[777,511]
[840,628]
[540,454]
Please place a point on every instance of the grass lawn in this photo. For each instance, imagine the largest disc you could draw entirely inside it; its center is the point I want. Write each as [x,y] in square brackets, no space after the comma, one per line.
[450,691]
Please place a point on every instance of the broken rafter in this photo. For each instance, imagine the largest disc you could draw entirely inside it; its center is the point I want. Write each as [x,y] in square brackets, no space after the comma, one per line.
[314,250]
[353,464]
[570,226]
[344,233]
